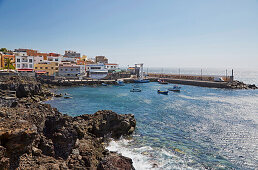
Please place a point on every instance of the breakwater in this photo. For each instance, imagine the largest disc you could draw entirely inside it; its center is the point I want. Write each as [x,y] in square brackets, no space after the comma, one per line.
[191,77]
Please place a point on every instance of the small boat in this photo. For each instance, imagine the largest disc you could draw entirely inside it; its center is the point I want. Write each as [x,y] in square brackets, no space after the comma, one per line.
[163,92]
[120,82]
[162,82]
[142,81]
[67,97]
[135,90]
[175,88]
[104,84]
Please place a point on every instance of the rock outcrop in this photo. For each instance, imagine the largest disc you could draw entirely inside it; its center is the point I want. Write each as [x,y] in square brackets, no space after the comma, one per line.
[240,85]
[37,136]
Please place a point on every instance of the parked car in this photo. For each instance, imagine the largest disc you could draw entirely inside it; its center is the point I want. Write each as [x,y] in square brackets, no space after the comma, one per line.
[218,79]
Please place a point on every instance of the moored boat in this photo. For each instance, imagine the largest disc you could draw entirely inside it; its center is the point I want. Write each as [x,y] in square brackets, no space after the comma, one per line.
[120,82]
[162,92]
[142,81]
[175,88]
[162,82]
[135,90]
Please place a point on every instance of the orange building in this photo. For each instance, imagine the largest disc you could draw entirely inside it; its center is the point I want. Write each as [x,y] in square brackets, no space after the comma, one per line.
[4,57]
[80,62]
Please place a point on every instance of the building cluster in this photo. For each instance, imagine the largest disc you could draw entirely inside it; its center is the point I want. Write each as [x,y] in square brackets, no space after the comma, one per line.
[70,64]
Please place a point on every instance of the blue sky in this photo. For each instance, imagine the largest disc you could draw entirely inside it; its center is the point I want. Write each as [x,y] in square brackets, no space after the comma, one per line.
[162,33]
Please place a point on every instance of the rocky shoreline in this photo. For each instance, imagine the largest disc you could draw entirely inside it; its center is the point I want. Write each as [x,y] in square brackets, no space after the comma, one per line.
[36,136]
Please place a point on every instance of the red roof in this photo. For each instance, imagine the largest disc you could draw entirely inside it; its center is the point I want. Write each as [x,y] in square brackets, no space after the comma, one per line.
[25,69]
[40,72]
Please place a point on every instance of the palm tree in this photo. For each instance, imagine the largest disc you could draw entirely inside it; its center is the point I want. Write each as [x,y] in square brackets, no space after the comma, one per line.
[8,64]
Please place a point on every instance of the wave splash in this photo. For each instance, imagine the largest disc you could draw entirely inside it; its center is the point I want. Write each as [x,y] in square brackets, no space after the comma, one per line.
[145,157]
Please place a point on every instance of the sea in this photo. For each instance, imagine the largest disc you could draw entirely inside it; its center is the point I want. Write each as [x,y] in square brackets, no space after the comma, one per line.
[198,128]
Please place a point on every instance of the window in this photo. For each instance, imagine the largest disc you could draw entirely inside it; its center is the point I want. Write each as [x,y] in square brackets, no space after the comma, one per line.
[57,69]
[56,64]
[52,68]
[40,67]
[36,67]
[46,67]
[18,60]
[61,69]
[30,60]
[93,68]
[77,69]
[71,69]
[18,65]
[30,65]
[24,65]
[65,69]
[56,59]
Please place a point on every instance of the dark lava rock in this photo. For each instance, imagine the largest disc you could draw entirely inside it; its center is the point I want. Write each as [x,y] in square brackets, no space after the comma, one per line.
[37,136]
[114,161]
[107,123]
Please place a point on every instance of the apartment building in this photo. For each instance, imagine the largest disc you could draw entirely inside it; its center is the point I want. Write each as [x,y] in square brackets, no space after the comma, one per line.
[49,68]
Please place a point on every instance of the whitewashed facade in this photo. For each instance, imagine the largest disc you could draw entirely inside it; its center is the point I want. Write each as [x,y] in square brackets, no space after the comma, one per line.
[96,71]
[24,62]
[111,67]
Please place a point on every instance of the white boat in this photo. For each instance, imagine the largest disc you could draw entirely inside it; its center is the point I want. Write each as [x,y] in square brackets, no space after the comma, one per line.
[175,88]
[135,90]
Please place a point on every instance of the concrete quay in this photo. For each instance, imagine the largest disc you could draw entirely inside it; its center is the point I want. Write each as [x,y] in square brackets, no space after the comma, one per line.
[200,83]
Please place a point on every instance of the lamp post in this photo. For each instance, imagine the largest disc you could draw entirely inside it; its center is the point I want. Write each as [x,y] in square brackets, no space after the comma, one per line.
[201,74]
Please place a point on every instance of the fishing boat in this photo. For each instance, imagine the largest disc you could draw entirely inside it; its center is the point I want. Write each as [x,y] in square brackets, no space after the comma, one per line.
[175,88]
[135,90]
[162,92]
[104,84]
[162,82]
[120,82]
[142,81]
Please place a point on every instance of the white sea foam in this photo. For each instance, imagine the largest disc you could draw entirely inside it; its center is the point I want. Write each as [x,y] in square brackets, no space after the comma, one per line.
[146,158]
[140,161]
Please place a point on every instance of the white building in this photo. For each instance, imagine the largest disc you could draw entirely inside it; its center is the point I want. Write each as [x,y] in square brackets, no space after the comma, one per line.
[39,59]
[58,59]
[71,70]
[24,63]
[96,71]
[111,67]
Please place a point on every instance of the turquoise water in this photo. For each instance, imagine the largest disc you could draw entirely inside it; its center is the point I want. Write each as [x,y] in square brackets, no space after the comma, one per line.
[198,128]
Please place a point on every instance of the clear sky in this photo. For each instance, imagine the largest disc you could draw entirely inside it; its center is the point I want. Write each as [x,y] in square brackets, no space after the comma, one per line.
[162,33]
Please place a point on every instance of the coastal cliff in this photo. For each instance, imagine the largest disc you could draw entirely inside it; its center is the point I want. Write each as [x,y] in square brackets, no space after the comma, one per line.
[36,136]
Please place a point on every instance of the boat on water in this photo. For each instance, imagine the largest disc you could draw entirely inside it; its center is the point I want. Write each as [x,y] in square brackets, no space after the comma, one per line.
[103,84]
[135,90]
[175,88]
[67,97]
[142,81]
[162,92]
[120,82]
[162,82]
